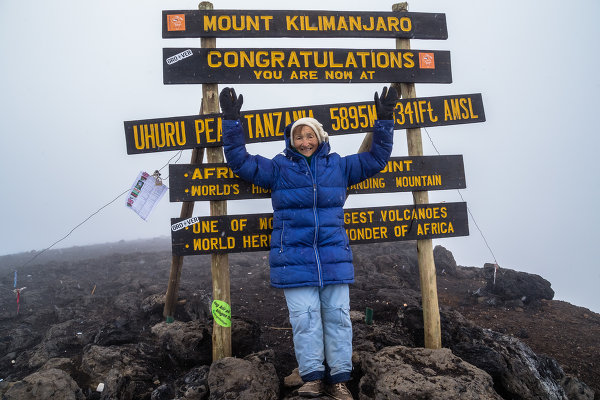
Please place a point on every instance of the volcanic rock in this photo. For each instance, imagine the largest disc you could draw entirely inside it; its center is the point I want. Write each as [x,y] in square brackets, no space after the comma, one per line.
[49,384]
[253,377]
[403,373]
[514,285]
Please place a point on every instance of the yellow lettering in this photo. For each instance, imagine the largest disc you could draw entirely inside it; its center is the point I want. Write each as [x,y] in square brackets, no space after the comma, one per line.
[395,60]
[393,23]
[473,115]
[406,24]
[400,230]
[262,59]
[293,60]
[332,62]
[408,58]
[265,223]
[138,140]
[432,118]
[291,22]
[231,59]
[211,63]
[328,23]
[256,241]
[149,136]
[253,23]
[455,109]
[383,60]
[224,23]
[464,105]
[239,25]
[246,59]
[447,113]
[267,20]
[355,23]
[210,23]
[371,26]
[277,58]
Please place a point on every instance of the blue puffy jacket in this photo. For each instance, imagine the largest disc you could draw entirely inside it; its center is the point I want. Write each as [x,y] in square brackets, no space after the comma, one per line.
[309,245]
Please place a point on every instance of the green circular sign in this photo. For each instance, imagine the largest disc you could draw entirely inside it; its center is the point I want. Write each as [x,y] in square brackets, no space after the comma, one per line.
[221,312]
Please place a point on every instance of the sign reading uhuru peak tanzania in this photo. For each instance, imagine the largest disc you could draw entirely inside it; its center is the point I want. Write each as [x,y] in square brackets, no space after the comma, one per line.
[302,23]
[316,65]
[175,133]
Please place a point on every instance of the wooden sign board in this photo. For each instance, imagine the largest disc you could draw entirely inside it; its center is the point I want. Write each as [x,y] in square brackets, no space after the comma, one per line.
[176,133]
[255,65]
[252,232]
[302,23]
[417,173]
[402,174]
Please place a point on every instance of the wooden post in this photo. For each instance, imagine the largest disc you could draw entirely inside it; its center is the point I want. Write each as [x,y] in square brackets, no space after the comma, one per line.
[431,311]
[187,209]
[221,337]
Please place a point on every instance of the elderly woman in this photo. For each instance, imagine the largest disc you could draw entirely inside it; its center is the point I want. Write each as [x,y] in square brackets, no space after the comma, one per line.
[310,256]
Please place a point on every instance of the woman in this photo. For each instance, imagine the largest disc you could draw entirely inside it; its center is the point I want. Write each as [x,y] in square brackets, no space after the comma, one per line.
[310,256]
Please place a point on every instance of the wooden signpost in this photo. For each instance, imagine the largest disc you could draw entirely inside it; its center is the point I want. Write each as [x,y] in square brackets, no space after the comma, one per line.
[431,312]
[219,233]
[188,132]
[302,23]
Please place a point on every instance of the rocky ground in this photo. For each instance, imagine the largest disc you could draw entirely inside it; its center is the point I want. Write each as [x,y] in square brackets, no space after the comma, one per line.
[93,315]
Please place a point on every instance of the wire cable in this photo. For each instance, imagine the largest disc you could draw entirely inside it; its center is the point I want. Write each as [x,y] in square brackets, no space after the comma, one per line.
[468,209]
[70,232]
[178,155]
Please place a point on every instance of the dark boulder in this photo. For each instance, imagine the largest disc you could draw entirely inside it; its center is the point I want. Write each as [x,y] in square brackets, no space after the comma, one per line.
[250,378]
[444,261]
[188,343]
[415,373]
[511,285]
[48,384]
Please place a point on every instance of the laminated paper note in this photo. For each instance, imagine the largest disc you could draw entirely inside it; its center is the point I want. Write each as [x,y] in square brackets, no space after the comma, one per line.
[145,194]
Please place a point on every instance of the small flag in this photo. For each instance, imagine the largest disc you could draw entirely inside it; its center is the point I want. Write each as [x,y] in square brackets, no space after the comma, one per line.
[15,285]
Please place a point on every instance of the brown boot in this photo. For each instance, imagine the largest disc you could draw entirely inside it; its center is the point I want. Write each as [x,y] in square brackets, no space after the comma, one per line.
[312,389]
[338,391]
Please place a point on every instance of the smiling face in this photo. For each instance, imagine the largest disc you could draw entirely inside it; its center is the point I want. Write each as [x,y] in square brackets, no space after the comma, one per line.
[305,140]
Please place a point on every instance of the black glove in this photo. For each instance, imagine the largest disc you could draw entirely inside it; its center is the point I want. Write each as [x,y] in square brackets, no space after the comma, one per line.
[385,104]
[230,103]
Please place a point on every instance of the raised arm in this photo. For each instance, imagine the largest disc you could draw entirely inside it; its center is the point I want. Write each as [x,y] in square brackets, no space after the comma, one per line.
[364,165]
[252,168]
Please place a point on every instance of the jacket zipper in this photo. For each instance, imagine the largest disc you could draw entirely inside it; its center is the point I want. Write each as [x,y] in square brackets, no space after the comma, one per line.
[312,177]
[282,232]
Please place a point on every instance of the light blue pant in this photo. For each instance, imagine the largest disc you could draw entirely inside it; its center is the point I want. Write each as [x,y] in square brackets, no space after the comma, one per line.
[320,319]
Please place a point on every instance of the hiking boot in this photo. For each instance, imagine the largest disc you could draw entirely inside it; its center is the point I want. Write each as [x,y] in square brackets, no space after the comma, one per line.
[338,391]
[312,389]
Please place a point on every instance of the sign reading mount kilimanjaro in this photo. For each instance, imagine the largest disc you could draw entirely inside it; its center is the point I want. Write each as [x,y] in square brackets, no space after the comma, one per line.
[289,23]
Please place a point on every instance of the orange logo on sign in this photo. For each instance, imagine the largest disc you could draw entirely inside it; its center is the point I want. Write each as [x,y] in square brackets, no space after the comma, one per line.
[176,22]
[426,61]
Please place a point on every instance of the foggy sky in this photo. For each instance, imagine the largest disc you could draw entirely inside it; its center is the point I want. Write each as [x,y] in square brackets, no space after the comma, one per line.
[71,72]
